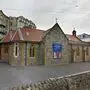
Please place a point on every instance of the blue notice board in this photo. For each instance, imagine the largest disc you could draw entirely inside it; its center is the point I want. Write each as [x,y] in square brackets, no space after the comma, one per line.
[57,50]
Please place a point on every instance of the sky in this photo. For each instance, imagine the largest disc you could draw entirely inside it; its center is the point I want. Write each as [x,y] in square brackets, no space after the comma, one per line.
[69,13]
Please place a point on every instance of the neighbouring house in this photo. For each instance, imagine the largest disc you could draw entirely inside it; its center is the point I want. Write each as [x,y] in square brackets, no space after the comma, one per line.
[84,37]
[20,22]
[37,47]
[4,24]
[7,23]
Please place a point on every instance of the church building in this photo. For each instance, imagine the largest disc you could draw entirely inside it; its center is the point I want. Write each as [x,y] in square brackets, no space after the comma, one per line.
[27,46]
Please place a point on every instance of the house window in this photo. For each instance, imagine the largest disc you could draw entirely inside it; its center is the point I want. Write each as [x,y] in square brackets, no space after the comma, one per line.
[77,51]
[32,53]
[87,51]
[84,36]
[11,23]
[16,50]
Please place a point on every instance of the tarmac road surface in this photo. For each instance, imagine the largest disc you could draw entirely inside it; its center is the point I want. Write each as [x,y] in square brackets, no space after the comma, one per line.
[13,76]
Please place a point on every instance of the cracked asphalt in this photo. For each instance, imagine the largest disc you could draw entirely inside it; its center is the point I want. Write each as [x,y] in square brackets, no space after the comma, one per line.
[14,76]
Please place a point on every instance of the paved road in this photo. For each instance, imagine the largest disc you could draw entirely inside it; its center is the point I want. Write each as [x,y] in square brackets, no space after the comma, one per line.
[13,76]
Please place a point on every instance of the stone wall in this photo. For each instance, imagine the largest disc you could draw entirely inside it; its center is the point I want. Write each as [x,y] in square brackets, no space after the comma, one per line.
[24,54]
[56,35]
[79,81]
[83,56]
[87,57]
[79,57]
[42,54]
[15,61]
[33,60]
[4,52]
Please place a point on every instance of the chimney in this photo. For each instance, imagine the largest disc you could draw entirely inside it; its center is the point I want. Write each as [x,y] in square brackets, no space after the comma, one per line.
[74,32]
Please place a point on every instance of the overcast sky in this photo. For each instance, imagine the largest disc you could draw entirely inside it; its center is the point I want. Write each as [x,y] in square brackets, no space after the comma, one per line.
[70,13]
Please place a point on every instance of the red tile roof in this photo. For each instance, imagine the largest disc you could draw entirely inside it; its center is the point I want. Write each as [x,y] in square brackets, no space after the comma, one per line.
[73,38]
[27,34]
[32,34]
[9,35]
[16,36]
[24,34]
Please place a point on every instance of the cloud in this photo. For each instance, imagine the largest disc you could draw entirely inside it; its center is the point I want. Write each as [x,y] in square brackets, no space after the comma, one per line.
[70,13]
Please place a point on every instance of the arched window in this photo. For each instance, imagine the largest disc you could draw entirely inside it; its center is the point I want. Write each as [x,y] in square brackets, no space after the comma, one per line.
[87,51]
[32,51]
[78,51]
[16,50]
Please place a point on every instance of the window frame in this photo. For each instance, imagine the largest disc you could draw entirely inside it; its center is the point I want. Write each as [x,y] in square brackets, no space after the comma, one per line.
[16,50]
[32,51]
[78,51]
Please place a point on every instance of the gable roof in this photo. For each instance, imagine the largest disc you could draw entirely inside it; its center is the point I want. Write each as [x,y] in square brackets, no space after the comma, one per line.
[35,35]
[55,26]
[24,34]
[8,36]
[72,38]
[32,34]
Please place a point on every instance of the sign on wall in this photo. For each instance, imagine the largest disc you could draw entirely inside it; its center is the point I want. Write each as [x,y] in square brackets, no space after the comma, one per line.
[57,50]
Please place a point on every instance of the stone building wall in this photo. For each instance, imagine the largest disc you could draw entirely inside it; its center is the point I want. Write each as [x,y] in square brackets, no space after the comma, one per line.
[42,54]
[20,60]
[12,60]
[77,57]
[22,54]
[38,58]
[31,60]
[87,57]
[82,57]
[56,35]
[4,53]
[23,58]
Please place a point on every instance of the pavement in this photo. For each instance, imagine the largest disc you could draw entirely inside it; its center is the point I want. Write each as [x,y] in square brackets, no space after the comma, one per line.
[14,76]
